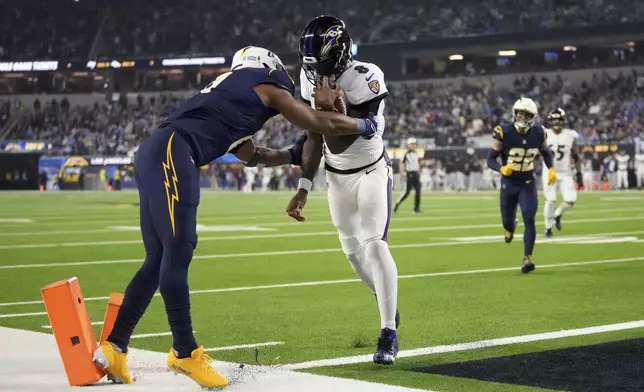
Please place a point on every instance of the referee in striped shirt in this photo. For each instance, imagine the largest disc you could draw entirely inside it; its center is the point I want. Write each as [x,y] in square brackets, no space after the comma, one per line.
[410,168]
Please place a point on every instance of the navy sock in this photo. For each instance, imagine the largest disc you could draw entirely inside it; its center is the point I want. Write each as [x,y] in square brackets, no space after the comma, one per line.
[176,295]
[137,297]
[529,236]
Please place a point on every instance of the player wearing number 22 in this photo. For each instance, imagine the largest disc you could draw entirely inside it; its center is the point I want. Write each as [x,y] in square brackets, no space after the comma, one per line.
[519,144]
[222,118]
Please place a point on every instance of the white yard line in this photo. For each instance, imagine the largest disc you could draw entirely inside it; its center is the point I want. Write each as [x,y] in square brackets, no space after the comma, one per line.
[474,345]
[93,323]
[151,335]
[242,346]
[482,240]
[304,234]
[341,281]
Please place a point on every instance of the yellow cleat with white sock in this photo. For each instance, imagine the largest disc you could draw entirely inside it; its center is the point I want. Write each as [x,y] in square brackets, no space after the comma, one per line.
[198,367]
[114,362]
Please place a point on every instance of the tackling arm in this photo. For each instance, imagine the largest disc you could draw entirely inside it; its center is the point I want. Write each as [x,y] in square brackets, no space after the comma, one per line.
[253,155]
[325,123]
[576,158]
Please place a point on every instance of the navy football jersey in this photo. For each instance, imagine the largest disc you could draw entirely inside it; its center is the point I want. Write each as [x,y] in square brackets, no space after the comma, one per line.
[227,112]
[520,149]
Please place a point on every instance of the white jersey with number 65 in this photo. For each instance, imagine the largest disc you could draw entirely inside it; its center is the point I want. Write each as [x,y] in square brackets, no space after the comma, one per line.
[561,145]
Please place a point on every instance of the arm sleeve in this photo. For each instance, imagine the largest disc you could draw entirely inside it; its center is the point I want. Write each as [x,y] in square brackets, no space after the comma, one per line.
[492,160]
[547,156]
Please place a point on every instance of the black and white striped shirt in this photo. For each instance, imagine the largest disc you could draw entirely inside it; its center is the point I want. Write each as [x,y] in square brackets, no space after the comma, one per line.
[410,160]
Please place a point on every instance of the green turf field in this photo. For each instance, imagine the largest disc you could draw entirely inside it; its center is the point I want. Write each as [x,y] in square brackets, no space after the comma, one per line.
[259,277]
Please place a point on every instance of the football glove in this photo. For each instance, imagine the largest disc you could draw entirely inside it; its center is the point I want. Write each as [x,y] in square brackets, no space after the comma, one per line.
[552,176]
[580,180]
[367,127]
[507,170]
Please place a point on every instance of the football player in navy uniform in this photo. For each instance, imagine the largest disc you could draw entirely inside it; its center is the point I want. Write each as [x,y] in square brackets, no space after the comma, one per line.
[222,118]
[518,144]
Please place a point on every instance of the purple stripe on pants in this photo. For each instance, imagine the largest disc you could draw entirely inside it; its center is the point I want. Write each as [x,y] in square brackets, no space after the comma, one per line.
[389,186]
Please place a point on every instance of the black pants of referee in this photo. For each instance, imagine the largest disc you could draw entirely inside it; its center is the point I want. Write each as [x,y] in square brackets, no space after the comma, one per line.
[413,182]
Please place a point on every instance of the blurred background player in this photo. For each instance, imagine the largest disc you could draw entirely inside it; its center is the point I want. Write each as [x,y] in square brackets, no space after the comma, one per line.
[589,175]
[358,171]
[563,144]
[639,169]
[222,118]
[250,173]
[518,145]
[409,169]
[622,159]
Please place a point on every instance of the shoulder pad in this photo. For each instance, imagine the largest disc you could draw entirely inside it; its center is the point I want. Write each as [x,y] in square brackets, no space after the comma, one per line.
[283,79]
[363,82]
[498,132]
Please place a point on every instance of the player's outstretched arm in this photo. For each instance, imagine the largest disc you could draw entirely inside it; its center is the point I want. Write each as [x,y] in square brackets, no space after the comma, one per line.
[325,123]
[253,155]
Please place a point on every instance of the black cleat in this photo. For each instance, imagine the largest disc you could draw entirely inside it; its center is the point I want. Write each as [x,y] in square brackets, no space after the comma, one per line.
[548,233]
[558,223]
[395,208]
[387,349]
[527,265]
[417,211]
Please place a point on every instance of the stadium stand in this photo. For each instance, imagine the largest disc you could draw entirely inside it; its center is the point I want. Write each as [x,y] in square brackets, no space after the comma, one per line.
[66,29]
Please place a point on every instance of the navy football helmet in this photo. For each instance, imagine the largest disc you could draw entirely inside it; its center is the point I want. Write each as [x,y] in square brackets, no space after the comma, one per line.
[325,48]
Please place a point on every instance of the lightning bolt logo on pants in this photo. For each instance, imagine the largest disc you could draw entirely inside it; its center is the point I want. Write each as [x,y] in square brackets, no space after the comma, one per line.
[171,191]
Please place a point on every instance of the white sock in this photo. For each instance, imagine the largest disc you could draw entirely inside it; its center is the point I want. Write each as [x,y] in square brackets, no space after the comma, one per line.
[362,267]
[385,276]
[548,213]
[562,208]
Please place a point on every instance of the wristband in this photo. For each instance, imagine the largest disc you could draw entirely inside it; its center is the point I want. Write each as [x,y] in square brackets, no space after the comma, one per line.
[305,184]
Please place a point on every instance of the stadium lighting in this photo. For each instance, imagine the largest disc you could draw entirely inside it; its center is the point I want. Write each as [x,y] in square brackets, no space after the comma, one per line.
[570,48]
[507,53]
[454,57]
[630,44]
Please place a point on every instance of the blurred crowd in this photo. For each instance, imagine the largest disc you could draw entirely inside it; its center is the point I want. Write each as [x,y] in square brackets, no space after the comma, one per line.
[82,28]
[602,109]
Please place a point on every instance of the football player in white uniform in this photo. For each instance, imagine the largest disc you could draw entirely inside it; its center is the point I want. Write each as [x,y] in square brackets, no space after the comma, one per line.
[639,168]
[358,170]
[563,143]
[622,159]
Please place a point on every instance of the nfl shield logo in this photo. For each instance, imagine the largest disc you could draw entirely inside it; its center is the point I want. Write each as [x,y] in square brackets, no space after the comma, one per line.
[374,86]
[525,141]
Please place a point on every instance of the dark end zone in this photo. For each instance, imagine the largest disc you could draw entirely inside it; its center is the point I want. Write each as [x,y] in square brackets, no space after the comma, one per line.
[614,366]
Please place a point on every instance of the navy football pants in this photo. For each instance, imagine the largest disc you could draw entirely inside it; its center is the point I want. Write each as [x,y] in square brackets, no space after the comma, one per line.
[521,193]
[168,184]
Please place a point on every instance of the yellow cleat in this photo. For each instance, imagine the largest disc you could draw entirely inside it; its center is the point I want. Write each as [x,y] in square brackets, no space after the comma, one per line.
[198,367]
[114,363]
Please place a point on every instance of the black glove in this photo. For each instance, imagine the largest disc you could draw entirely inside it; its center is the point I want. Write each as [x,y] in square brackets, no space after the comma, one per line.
[579,179]
[296,150]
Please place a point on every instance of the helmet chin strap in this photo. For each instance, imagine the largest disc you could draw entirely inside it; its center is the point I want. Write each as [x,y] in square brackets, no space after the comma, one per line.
[521,126]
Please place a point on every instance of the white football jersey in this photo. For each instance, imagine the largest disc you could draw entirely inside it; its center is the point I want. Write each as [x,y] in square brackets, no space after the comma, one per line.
[361,82]
[639,160]
[622,161]
[561,147]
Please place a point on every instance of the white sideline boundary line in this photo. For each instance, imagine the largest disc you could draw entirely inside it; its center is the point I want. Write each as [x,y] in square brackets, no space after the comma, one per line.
[46,373]
[304,234]
[341,281]
[474,345]
[242,346]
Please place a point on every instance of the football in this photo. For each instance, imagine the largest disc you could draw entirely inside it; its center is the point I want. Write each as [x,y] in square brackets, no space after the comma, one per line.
[341,105]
